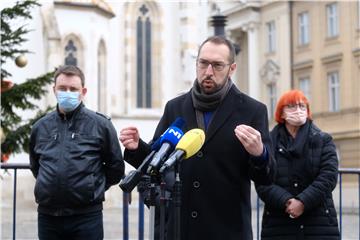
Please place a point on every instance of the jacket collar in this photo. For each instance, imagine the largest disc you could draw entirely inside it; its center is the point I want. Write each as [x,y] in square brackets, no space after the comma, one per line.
[69,115]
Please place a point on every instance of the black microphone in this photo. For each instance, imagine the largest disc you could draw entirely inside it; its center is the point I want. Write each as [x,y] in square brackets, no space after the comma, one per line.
[129,182]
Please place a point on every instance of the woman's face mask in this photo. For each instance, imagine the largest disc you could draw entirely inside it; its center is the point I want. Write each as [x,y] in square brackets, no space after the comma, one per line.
[295,114]
[68,101]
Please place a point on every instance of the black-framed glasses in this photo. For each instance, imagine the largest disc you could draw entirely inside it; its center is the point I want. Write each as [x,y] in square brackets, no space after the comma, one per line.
[216,66]
[293,106]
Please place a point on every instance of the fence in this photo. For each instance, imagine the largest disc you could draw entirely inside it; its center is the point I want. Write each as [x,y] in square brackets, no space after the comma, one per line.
[342,171]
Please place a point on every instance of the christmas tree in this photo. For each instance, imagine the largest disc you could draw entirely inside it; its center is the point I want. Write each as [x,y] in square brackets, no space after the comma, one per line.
[15,131]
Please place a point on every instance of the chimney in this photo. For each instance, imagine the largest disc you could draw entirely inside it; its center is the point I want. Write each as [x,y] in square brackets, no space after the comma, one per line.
[219,22]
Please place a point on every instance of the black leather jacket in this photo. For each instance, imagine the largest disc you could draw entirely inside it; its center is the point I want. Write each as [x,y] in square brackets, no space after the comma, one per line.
[74,158]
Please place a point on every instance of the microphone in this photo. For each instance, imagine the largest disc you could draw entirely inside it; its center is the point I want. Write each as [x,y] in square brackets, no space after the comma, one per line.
[168,141]
[189,144]
[129,182]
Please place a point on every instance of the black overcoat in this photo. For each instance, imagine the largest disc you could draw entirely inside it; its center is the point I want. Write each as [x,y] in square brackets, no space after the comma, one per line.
[216,181]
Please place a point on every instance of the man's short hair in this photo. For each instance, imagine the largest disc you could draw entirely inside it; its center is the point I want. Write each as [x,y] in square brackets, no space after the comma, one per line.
[70,70]
[221,40]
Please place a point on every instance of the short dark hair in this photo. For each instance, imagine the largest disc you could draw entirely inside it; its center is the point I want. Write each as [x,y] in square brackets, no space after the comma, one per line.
[70,70]
[221,40]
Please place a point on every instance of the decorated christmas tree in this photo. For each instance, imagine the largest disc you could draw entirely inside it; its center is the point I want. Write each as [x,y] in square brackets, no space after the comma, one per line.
[15,130]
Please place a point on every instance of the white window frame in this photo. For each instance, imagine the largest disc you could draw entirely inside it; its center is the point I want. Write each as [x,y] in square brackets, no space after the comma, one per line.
[271,36]
[334,91]
[304,86]
[304,33]
[332,20]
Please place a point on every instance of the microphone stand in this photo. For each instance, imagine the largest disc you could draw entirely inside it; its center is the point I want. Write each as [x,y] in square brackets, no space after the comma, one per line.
[152,207]
[162,209]
[177,202]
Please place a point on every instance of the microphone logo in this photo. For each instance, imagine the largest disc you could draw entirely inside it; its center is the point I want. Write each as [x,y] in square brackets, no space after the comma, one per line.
[177,134]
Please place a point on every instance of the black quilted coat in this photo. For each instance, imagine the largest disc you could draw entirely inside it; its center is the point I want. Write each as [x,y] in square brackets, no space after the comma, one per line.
[307,169]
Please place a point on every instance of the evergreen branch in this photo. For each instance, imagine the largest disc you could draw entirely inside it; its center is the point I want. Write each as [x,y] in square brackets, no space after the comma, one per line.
[10,39]
[19,97]
[18,139]
[21,9]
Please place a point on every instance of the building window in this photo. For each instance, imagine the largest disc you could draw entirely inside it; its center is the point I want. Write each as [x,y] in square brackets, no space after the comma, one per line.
[71,53]
[332,20]
[143,58]
[334,91]
[272,99]
[304,86]
[304,28]
[271,36]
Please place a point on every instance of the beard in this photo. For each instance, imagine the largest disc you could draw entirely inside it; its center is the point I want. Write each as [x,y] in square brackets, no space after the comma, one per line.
[208,85]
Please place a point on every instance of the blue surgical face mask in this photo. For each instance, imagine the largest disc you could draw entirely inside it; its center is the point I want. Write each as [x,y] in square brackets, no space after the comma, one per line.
[68,101]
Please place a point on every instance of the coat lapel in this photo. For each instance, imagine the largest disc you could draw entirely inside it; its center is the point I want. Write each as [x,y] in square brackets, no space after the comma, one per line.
[224,111]
[189,113]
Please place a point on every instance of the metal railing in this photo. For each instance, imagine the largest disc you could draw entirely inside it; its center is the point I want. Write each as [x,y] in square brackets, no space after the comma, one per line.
[352,171]
[127,199]
[15,167]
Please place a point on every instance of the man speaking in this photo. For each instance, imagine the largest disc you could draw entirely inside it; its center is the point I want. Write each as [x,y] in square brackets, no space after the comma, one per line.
[215,193]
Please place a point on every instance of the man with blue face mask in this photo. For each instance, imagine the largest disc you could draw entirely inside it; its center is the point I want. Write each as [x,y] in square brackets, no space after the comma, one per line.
[75,157]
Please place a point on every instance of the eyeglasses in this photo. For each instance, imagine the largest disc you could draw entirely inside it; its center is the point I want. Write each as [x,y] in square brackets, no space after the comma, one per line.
[293,107]
[216,66]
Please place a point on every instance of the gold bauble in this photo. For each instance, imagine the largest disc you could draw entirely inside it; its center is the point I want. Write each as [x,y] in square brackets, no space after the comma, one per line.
[21,61]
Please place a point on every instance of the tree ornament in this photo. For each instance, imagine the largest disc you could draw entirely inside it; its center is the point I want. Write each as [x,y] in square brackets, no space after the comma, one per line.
[21,61]
[6,85]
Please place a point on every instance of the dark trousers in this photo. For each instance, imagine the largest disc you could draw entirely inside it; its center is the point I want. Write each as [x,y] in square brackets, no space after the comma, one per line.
[87,226]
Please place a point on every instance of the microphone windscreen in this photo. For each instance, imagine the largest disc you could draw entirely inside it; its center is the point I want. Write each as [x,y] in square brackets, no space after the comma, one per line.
[179,123]
[156,145]
[191,142]
[172,136]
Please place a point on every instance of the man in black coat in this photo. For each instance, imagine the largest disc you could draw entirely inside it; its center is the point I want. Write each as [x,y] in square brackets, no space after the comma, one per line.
[215,193]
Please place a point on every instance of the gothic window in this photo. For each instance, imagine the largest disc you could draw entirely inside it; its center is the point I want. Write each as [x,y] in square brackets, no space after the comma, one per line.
[143,58]
[71,53]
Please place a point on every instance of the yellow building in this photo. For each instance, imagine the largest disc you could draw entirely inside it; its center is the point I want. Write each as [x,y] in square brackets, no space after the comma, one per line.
[326,66]
[311,46]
